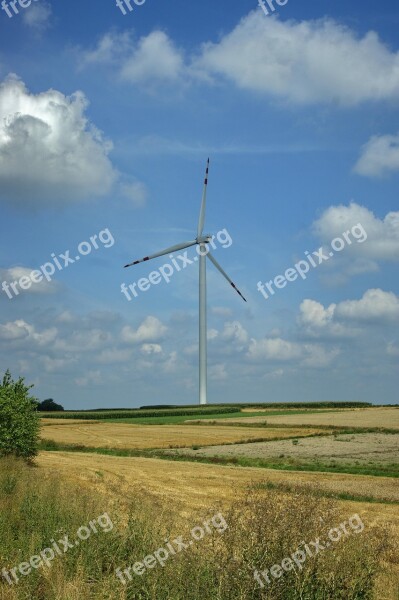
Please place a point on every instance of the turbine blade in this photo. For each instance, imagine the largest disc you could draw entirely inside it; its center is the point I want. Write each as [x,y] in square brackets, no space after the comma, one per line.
[163,252]
[219,268]
[201,219]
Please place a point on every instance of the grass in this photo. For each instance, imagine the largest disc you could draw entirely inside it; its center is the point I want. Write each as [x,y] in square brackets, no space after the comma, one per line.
[261,529]
[205,419]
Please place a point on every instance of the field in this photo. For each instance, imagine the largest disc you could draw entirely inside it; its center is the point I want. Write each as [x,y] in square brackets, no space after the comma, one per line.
[160,474]
[122,435]
[193,486]
[365,448]
[359,417]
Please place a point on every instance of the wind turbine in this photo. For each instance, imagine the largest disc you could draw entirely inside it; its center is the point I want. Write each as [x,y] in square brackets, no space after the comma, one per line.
[201,242]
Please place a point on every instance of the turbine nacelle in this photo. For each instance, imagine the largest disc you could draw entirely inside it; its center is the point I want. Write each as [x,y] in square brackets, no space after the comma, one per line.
[203,239]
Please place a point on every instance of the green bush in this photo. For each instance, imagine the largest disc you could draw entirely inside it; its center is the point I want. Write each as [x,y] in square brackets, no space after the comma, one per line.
[19,423]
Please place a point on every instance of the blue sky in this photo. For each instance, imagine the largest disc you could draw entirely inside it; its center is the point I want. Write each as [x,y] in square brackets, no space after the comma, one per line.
[106,122]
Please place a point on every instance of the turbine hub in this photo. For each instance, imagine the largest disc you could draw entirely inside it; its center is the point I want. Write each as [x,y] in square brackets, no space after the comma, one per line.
[204,239]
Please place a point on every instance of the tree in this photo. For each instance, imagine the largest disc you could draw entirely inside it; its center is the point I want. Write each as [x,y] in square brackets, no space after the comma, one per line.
[49,405]
[19,422]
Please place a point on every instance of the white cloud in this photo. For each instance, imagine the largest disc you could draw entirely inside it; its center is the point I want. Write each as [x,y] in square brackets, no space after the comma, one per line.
[304,62]
[38,16]
[151,59]
[15,273]
[317,321]
[343,320]
[273,349]
[111,47]
[234,332]
[379,157]
[151,349]
[171,363]
[49,152]
[212,334]
[375,305]
[83,339]
[280,350]
[154,59]
[382,235]
[13,331]
[21,330]
[150,330]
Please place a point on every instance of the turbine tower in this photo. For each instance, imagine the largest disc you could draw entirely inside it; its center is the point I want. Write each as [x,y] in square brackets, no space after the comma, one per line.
[200,242]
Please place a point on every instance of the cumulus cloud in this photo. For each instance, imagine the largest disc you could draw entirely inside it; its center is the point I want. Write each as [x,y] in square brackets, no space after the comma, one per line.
[304,62]
[345,319]
[375,305]
[280,350]
[317,321]
[151,349]
[154,59]
[151,59]
[15,273]
[379,157]
[150,330]
[235,333]
[49,152]
[21,330]
[380,242]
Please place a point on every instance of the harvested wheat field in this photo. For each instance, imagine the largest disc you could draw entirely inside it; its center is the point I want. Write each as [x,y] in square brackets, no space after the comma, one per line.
[121,435]
[357,417]
[345,448]
[193,489]
[196,485]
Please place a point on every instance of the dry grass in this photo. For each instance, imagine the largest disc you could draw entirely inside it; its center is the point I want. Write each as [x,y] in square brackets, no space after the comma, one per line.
[120,435]
[358,417]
